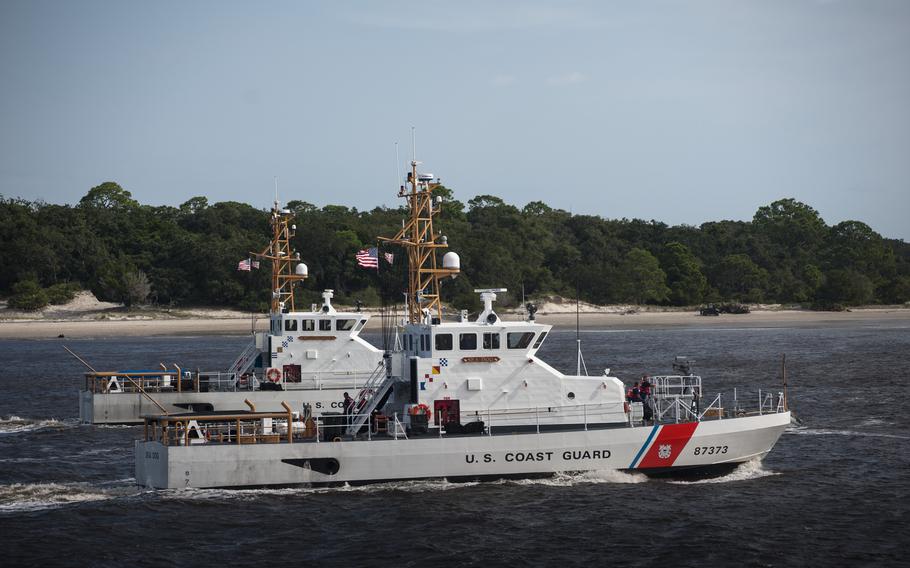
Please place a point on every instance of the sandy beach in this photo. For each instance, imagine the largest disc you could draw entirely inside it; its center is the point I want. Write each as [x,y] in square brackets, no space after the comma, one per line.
[81,328]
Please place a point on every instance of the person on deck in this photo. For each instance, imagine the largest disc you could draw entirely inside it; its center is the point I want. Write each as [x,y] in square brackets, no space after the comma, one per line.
[645,387]
[645,390]
[348,403]
[634,394]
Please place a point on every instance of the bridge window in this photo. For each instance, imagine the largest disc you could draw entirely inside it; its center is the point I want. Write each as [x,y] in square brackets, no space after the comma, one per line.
[360,325]
[540,339]
[345,325]
[491,341]
[325,325]
[290,325]
[467,341]
[520,340]
[444,342]
[307,325]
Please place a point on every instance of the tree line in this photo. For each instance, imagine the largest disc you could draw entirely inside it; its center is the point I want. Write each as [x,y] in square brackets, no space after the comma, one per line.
[127,252]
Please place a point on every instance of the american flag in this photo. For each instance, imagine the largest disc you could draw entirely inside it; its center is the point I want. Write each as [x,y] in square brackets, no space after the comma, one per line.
[244,265]
[368,258]
[255,264]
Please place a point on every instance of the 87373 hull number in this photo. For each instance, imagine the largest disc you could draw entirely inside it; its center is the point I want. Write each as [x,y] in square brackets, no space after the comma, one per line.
[709,450]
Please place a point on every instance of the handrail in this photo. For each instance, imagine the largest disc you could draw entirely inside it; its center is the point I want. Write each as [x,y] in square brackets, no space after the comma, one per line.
[370,395]
[245,359]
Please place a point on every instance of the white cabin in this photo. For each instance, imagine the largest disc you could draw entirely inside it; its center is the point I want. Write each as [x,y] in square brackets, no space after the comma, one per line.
[314,349]
[488,370]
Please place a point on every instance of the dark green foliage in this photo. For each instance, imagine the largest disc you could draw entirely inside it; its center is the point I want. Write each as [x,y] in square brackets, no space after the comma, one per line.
[28,295]
[684,276]
[62,293]
[127,252]
[641,279]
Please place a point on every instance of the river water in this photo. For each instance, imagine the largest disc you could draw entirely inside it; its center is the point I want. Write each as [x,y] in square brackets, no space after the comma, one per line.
[834,491]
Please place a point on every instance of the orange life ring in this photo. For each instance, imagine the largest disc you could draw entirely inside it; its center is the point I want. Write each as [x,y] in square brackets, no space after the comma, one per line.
[274,375]
[421,409]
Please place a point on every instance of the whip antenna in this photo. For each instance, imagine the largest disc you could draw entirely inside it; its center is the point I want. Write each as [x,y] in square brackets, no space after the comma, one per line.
[397,167]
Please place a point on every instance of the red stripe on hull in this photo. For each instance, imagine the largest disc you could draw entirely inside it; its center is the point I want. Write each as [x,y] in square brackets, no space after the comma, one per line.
[670,442]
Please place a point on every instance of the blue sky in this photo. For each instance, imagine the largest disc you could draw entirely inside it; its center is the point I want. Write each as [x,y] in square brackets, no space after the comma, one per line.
[677,111]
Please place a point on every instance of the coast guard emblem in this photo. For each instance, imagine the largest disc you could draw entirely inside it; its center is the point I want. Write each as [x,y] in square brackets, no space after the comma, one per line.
[664,451]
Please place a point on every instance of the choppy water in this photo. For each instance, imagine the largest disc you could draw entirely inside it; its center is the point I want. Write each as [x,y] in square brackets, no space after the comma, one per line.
[833,492]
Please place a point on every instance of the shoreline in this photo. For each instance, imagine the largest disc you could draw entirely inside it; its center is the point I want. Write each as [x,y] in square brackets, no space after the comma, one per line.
[85,329]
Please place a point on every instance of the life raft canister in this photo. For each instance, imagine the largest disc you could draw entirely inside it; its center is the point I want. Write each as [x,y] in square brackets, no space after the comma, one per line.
[274,375]
[421,409]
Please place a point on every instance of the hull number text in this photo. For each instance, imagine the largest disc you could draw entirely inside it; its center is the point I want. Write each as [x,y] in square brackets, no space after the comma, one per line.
[709,450]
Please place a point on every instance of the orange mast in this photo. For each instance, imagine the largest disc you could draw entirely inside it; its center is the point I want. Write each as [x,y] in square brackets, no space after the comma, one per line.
[421,242]
[284,276]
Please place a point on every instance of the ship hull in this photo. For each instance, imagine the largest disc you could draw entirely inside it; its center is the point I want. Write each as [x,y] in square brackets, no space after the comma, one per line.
[662,449]
[128,408]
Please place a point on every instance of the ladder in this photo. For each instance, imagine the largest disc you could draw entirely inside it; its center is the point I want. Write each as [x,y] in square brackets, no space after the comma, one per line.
[245,360]
[369,397]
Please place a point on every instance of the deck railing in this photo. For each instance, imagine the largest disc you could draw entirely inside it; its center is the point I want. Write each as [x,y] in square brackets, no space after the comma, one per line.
[116,382]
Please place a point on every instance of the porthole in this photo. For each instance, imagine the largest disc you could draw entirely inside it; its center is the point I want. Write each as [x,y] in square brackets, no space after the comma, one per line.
[571,396]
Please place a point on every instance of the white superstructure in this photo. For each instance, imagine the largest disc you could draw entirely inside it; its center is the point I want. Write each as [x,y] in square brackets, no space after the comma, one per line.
[460,400]
[307,357]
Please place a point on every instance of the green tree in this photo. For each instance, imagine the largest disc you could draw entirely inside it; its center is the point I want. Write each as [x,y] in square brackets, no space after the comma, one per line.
[108,195]
[28,295]
[845,286]
[642,279]
[684,276]
[738,278]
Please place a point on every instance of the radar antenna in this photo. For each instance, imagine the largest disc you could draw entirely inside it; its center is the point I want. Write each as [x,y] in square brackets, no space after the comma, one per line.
[285,275]
[419,239]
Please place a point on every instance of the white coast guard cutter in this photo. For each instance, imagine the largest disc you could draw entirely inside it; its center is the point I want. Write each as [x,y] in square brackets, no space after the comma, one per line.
[461,400]
[306,357]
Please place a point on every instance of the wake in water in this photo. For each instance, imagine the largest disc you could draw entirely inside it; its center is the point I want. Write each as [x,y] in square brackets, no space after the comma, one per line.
[747,471]
[20,497]
[832,432]
[566,479]
[17,425]
[559,479]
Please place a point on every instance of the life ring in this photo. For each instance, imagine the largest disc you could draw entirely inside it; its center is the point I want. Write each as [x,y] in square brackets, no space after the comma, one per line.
[421,409]
[274,375]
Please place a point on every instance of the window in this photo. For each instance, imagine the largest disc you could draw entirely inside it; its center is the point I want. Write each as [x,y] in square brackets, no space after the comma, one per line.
[520,340]
[467,341]
[444,342]
[423,343]
[345,325]
[540,339]
[307,325]
[491,341]
[325,325]
[290,325]
[360,325]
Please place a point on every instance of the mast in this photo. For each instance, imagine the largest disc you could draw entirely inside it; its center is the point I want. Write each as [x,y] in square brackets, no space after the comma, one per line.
[420,240]
[284,275]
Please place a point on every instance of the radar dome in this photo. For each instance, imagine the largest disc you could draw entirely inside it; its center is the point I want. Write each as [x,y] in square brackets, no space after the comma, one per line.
[301,270]
[450,261]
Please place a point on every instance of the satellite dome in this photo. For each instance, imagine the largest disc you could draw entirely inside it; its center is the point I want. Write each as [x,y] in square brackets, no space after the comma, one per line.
[451,261]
